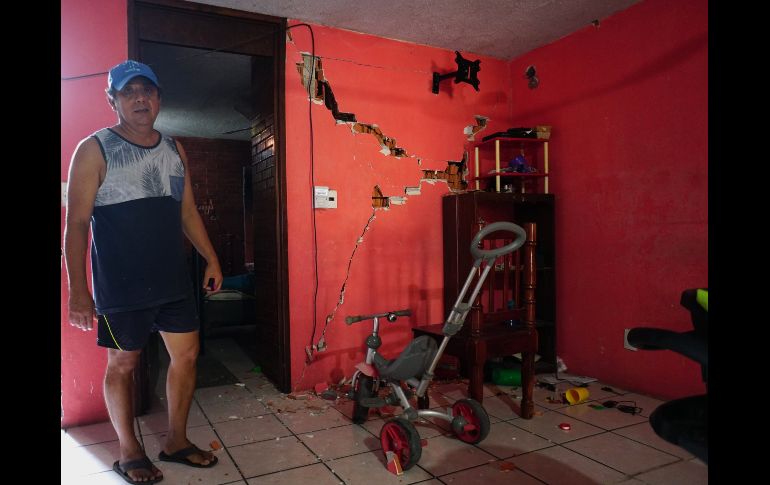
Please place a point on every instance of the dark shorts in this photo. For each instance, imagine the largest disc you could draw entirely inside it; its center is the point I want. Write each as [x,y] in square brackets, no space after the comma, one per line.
[131,330]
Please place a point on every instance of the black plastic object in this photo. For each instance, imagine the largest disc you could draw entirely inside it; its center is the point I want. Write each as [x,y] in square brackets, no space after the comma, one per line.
[413,361]
[684,421]
[467,72]
[517,132]
[364,389]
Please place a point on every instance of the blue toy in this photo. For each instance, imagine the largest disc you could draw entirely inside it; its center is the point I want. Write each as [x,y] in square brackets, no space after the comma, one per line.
[520,165]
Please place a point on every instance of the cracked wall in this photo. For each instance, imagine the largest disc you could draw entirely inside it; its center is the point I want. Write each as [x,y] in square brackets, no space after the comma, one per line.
[405,142]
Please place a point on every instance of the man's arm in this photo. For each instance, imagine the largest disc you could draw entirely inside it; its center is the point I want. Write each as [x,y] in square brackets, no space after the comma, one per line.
[85,175]
[193,228]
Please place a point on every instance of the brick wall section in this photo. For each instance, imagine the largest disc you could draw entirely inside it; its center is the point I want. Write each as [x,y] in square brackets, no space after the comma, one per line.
[263,193]
[216,173]
[265,243]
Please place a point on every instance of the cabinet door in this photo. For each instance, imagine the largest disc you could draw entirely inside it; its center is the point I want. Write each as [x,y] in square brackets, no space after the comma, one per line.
[464,214]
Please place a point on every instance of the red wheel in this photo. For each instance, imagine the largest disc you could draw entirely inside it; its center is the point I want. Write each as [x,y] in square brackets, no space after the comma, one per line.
[471,421]
[399,436]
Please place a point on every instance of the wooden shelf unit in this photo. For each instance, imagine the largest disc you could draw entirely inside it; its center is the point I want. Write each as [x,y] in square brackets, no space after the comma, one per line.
[497,174]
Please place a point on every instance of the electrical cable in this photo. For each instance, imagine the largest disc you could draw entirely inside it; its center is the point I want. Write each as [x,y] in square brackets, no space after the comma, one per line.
[312,181]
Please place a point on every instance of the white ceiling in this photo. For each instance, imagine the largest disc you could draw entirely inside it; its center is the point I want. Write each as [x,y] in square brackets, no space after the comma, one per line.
[497,28]
[204,95]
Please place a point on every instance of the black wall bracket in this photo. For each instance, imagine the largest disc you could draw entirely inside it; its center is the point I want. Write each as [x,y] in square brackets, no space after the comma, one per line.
[467,72]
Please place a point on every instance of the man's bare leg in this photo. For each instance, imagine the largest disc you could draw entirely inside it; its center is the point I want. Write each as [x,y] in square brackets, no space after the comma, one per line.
[119,397]
[180,386]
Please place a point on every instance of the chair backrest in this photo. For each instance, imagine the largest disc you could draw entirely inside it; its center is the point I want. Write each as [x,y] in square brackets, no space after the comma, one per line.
[508,294]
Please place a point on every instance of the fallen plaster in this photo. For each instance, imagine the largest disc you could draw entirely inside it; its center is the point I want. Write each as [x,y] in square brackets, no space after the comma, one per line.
[471,130]
[412,190]
[397,200]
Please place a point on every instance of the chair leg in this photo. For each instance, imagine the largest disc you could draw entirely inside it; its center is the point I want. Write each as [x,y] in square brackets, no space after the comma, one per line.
[527,384]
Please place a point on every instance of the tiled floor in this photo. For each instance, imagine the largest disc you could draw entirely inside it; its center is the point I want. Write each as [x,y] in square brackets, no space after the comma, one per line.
[267,438]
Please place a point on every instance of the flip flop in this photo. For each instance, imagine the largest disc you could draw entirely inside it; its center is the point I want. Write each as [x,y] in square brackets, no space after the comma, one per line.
[181,457]
[123,470]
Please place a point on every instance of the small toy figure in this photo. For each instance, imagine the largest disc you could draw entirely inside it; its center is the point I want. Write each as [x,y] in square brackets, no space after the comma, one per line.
[520,165]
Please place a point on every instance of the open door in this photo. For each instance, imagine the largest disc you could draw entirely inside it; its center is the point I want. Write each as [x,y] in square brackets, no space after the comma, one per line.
[187,25]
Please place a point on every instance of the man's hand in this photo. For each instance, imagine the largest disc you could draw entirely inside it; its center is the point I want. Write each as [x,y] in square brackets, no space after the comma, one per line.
[81,311]
[213,272]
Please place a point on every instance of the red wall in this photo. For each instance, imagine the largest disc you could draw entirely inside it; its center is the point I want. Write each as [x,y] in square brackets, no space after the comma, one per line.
[399,263]
[628,102]
[93,39]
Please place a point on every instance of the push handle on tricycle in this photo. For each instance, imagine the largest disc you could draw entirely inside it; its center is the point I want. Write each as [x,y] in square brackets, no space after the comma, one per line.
[390,315]
[521,237]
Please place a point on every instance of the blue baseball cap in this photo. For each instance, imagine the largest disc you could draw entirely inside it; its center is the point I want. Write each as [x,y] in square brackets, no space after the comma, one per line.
[128,70]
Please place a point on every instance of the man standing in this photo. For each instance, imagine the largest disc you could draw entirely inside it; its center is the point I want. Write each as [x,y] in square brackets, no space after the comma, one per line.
[130,184]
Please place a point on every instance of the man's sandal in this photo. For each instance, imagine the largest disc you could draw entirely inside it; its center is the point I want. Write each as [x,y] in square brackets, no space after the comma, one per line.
[141,463]
[181,457]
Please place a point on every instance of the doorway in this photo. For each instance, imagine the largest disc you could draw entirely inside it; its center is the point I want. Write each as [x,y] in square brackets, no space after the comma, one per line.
[221,73]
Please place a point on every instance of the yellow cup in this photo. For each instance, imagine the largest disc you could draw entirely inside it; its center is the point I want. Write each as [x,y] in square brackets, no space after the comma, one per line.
[576,395]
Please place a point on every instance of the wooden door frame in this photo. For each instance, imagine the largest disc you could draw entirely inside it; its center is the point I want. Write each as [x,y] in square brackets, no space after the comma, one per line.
[281,225]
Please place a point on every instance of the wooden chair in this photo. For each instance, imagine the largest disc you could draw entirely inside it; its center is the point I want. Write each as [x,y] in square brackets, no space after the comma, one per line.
[509,296]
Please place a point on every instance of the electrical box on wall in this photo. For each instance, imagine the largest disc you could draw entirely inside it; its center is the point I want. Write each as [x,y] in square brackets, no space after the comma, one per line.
[325,198]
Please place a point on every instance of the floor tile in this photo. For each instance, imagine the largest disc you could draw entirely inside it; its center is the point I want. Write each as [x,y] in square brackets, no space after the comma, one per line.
[607,418]
[506,440]
[101,478]
[246,421]
[88,435]
[547,426]
[221,393]
[222,411]
[339,442]
[621,453]
[502,407]
[280,454]
[250,430]
[691,472]
[369,468]
[308,421]
[644,433]
[85,460]
[444,455]
[559,466]
[490,474]
[316,474]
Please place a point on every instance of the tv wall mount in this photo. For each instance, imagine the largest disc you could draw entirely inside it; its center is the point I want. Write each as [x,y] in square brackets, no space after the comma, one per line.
[467,72]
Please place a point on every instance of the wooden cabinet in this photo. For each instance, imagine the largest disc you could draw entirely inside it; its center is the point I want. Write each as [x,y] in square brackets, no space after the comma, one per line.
[464,214]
